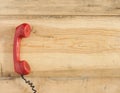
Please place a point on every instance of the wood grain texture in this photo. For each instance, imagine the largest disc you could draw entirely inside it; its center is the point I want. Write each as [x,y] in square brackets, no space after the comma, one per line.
[59,7]
[67,53]
[62,85]
[64,46]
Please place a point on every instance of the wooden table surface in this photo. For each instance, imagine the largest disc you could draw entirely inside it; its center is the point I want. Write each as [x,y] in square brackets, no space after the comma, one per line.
[74,46]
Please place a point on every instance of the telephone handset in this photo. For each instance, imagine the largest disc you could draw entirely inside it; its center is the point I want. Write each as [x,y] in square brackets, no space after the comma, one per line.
[21,66]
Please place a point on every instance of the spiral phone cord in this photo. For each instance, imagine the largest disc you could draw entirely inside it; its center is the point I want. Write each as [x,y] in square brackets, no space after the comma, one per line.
[29,83]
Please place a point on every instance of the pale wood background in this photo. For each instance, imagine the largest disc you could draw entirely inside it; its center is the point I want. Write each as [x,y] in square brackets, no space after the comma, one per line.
[74,46]
[60,7]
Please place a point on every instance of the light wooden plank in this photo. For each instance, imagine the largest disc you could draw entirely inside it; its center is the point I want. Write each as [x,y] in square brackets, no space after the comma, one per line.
[62,85]
[59,7]
[77,46]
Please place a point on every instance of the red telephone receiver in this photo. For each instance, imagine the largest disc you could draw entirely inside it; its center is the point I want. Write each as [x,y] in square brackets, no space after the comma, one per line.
[21,66]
